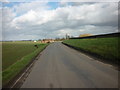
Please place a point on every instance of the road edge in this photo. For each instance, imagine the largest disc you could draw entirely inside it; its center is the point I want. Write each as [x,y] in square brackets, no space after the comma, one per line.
[95,56]
[16,81]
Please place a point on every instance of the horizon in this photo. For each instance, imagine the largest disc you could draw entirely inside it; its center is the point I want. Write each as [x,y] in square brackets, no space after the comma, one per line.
[54,38]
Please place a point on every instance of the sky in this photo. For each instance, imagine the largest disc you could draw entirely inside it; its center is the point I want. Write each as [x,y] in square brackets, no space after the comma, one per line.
[44,19]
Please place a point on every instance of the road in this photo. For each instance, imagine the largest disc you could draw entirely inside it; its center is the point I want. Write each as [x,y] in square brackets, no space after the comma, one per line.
[62,67]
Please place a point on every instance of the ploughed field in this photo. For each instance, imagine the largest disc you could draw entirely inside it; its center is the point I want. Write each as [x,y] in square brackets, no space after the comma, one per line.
[104,47]
[16,55]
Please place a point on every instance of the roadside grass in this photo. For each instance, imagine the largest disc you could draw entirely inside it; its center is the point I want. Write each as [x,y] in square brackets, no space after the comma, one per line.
[14,51]
[104,47]
[16,66]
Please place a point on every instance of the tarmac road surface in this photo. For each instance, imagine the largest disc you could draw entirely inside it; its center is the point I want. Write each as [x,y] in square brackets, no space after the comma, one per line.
[62,67]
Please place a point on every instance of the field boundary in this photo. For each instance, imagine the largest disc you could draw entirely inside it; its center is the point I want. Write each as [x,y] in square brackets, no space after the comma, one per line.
[99,36]
[17,81]
[94,55]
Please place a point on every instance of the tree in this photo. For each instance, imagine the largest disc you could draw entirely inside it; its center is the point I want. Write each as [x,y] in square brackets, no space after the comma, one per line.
[67,36]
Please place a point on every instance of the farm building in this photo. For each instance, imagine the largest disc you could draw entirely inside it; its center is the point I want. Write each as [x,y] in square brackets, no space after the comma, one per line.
[47,41]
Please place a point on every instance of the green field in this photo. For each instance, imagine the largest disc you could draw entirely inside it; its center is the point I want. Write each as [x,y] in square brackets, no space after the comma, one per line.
[104,47]
[16,55]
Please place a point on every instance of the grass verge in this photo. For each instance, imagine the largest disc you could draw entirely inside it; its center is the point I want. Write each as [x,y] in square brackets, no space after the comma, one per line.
[106,48]
[14,51]
[15,68]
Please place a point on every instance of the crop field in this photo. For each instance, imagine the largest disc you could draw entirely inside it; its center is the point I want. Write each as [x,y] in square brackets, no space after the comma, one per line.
[104,47]
[16,55]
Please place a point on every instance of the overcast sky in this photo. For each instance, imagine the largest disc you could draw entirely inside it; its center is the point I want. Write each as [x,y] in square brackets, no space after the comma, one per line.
[38,20]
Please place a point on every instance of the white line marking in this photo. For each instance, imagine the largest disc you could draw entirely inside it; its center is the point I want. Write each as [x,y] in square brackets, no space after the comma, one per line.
[22,75]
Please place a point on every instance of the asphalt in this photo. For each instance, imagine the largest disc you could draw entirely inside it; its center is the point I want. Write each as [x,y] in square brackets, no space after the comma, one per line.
[62,67]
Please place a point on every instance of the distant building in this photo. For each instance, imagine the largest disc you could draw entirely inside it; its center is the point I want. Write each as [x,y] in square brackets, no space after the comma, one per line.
[35,41]
[47,41]
[85,35]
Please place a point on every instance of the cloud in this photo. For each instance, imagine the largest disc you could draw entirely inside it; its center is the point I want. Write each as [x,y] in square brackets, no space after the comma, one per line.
[0,21]
[26,7]
[6,1]
[36,21]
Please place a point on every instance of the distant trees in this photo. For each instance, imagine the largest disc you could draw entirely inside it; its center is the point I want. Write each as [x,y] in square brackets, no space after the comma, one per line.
[59,39]
[67,36]
[85,35]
